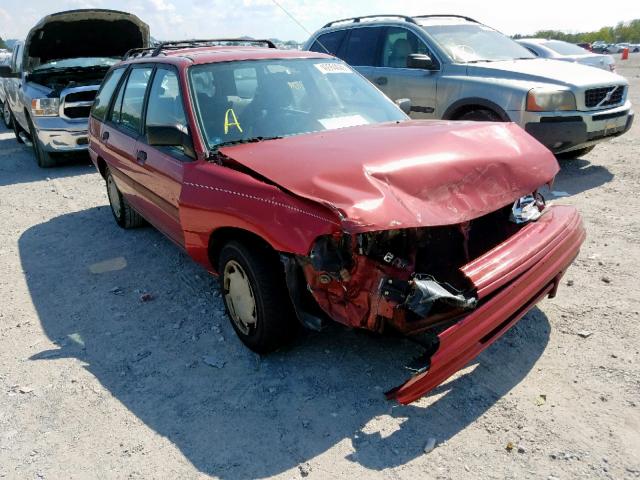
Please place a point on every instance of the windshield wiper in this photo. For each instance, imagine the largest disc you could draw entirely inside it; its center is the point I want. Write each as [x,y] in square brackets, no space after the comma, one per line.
[217,156]
[481,60]
[242,140]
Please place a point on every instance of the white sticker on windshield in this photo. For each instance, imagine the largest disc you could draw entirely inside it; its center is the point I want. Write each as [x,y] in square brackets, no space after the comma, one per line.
[343,122]
[332,68]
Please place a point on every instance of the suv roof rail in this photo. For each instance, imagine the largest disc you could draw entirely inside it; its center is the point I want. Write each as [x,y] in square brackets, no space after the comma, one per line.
[180,44]
[357,19]
[436,15]
[138,52]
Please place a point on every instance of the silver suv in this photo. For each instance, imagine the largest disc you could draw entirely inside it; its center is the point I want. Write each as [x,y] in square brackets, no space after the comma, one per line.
[453,67]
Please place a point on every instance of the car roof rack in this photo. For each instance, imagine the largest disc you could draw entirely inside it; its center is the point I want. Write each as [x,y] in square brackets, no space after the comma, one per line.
[180,44]
[436,15]
[358,19]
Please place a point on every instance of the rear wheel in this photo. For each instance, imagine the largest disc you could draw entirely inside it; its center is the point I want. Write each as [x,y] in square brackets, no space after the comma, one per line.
[256,296]
[480,115]
[573,154]
[43,157]
[124,214]
[6,114]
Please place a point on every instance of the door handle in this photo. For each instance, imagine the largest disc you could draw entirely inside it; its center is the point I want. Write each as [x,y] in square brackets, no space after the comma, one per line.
[381,81]
[141,157]
[105,136]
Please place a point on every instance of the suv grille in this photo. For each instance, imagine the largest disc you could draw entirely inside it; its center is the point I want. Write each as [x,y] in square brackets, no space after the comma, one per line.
[77,104]
[594,97]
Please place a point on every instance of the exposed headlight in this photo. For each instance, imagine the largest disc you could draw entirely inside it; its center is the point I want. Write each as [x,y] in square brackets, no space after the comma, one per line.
[550,100]
[45,107]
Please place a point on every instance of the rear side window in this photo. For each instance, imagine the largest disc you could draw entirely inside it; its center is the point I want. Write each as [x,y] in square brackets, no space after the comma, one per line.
[101,103]
[128,108]
[362,46]
[329,42]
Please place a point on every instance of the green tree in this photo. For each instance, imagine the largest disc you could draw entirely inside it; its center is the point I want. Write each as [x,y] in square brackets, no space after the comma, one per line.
[2,44]
[622,32]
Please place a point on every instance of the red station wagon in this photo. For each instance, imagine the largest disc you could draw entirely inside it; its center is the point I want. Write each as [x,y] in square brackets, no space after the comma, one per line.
[315,198]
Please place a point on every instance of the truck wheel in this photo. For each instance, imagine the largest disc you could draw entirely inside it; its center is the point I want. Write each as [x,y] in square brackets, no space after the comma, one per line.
[43,157]
[16,129]
[124,214]
[256,297]
[6,114]
[573,154]
[480,115]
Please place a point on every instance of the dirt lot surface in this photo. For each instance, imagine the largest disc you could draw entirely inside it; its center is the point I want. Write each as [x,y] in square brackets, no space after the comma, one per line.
[96,383]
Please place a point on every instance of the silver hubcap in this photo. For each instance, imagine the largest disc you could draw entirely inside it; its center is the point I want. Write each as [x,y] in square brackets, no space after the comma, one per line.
[114,198]
[239,297]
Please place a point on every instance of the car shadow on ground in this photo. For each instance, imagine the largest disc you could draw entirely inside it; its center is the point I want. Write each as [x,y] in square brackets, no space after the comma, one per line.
[579,175]
[237,415]
[18,164]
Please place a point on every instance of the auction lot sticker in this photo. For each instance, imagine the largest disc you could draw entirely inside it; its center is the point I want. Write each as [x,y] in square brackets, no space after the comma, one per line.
[332,68]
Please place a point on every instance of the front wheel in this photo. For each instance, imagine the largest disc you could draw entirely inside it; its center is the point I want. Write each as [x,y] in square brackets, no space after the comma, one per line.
[6,114]
[480,115]
[43,157]
[573,154]
[256,296]
[124,214]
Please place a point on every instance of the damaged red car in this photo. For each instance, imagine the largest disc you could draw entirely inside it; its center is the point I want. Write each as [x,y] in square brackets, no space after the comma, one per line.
[316,199]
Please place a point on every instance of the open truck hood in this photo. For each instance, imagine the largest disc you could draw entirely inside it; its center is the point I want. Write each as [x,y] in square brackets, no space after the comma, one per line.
[404,175]
[85,33]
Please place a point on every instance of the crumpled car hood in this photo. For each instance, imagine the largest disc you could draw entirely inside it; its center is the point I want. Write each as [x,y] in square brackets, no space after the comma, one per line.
[408,174]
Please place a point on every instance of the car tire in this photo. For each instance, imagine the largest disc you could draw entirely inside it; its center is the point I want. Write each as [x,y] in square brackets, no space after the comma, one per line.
[16,129]
[6,115]
[44,158]
[480,115]
[125,216]
[256,296]
[573,154]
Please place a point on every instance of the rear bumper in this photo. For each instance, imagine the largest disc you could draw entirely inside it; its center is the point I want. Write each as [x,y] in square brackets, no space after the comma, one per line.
[529,267]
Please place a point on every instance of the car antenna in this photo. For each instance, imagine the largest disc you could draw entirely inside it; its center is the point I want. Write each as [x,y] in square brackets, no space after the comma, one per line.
[277,4]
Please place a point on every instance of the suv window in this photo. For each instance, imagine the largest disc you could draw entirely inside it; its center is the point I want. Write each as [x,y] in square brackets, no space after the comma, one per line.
[399,43]
[127,110]
[362,46]
[329,42]
[17,58]
[101,103]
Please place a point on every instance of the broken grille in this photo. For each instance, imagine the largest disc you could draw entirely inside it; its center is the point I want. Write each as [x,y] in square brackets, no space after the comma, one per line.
[77,103]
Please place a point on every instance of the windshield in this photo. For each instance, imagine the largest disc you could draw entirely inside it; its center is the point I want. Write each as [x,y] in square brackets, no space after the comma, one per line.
[84,62]
[262,99]
[471,42]
[565,48]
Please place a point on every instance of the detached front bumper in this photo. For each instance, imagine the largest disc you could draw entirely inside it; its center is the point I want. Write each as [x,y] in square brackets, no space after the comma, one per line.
[510,280]
[59,135]
[566,131]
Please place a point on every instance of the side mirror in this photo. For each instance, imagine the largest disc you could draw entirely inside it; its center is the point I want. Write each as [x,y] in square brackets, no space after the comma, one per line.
[404,104]
[5,71]
[170,136]
[420,61]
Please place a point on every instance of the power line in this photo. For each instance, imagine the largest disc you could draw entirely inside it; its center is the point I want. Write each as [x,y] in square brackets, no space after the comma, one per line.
[299,24]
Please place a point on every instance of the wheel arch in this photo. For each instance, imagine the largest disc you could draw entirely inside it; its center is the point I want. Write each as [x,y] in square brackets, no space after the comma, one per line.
[462,106]
[222,235]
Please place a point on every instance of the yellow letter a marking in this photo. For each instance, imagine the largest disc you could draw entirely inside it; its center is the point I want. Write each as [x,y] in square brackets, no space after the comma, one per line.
[228,124]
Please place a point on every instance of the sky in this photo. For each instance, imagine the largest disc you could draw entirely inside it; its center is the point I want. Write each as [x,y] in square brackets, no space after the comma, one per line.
[179,19]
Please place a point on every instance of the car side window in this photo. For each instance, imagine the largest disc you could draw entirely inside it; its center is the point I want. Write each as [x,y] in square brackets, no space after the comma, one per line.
[165,107]
[329,42]
[399,43]
[103,98]
[17,61]
[127,111]
[362,46]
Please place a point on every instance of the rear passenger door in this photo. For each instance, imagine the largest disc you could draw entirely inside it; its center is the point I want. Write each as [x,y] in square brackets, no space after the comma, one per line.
[120,138]
[162,166]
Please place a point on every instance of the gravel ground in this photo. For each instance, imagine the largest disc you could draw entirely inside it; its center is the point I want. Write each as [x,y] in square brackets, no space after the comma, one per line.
[97,383]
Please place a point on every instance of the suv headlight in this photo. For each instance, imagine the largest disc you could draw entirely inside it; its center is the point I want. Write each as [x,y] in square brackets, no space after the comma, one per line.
[45,107]
[550,100]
